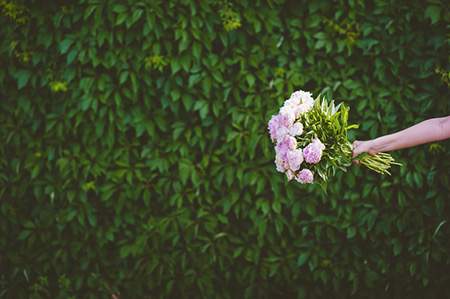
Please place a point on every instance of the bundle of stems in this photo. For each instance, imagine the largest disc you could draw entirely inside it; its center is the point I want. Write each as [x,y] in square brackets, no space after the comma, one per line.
[379,162]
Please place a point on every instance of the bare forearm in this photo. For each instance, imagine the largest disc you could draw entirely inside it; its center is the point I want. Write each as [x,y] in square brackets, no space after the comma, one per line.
[430,130]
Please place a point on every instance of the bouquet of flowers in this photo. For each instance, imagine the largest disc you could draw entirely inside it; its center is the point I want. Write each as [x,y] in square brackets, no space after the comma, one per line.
[311,141]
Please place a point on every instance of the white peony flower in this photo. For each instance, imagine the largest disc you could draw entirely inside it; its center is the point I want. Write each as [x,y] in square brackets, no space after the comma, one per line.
[301,96]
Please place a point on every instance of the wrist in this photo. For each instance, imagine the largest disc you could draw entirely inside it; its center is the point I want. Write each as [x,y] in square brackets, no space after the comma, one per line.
[373,146]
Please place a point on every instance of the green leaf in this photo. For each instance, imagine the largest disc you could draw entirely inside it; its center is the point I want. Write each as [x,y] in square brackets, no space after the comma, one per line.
[119,8]
[24,235]
[262,226]
[35,171]
[65,44]
[265,207]
[175,94]
[311,209]
[237,252]
[134,83]
[351,232]
[135,17]
[123,77]
[302,259]
[99,127]
[184,43]
[250,80]
[184,169]
[71,56]
[122,17]
[196,50]
[89,11]
[22,78]
[85,103]
[276,206]
[295,209]
[71,215]
[397,246]
[433,13]
[92,219]
[436,231]
[320,35]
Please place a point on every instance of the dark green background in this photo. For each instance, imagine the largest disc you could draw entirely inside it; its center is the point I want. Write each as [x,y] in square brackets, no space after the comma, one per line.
[135,158]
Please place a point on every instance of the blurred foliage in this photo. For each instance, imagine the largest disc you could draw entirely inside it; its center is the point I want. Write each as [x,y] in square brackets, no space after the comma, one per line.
[134,156]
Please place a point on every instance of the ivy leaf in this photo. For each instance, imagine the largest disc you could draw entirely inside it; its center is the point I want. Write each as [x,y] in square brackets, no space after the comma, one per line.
[433,13]
[351,232]
[123,77]
[184,169]
[135,17]
[22,78]
[24,234]
[71,56]
[302,259]
[119,8]
[64,45]
[250,80]
[276,205]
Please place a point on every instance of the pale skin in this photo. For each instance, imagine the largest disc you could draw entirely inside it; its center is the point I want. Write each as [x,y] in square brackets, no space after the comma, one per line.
[431,130]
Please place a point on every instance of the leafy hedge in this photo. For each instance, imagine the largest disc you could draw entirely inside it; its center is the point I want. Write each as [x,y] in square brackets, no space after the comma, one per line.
[134,156]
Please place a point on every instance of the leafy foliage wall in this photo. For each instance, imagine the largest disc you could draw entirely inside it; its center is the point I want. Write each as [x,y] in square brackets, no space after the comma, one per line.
[134,156]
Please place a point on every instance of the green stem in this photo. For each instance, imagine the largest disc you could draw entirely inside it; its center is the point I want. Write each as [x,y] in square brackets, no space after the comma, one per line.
[380,162]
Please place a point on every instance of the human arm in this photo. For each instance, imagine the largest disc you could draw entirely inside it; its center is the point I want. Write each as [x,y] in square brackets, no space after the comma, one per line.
[430,130]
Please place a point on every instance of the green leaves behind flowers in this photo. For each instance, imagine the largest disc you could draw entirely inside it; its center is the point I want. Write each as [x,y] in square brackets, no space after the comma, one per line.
[329,123]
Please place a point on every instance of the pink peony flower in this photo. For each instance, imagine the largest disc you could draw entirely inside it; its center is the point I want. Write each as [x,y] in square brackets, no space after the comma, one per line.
[274,125]
[290,175]
[279,126]
[295,159]
[281,133]
[281,164]
[301,97]
[313,151]
[288,114]
[284,145]
[305,176]
[318,143]
[287,118]
[303,108]
[300,102]
[296,129]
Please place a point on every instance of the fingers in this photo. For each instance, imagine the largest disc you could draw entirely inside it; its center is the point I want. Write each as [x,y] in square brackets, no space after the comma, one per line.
[356,143]
[355,146]
[372,152]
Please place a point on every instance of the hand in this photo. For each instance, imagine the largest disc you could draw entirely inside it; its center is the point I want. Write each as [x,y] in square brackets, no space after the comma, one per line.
[360,147]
